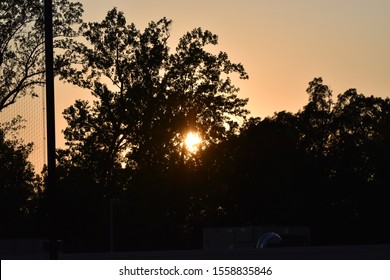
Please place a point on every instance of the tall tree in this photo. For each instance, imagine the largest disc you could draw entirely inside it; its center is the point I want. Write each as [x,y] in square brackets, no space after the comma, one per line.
[359,155]
[22,62]
[147,98]
[129,140]
[316,118]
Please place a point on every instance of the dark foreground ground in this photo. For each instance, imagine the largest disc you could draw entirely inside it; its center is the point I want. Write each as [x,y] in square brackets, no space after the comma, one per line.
[361,252]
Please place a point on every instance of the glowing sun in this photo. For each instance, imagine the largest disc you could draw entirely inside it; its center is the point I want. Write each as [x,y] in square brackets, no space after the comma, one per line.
[192,142]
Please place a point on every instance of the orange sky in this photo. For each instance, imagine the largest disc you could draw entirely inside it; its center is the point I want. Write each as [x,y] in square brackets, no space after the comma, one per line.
[282,44]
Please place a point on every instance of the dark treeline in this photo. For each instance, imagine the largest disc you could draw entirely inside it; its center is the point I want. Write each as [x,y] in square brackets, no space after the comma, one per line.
[325,167]
[126,171]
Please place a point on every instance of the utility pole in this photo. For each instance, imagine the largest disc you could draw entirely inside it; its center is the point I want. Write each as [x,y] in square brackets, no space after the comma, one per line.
[50,121]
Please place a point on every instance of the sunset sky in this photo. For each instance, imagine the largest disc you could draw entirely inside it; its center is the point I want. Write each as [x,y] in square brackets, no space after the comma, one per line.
[282,44]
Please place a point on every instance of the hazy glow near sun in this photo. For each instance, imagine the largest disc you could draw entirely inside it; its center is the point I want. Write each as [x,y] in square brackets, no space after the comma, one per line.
[192,141]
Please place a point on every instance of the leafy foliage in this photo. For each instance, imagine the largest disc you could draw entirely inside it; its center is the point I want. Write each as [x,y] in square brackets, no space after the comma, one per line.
[146,98]
[130,139]
[17,182]
[22,62]
[324,166]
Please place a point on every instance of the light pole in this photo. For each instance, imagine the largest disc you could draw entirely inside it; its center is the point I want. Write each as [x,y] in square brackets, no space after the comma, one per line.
[50,120]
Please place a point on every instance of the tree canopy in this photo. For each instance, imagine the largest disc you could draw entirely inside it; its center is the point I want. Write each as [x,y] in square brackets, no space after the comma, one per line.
[324,166]
[147,98]
[18,184]
[22,48]
[323,163]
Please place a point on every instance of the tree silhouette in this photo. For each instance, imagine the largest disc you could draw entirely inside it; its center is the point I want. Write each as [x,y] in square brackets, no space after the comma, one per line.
[316,118]
[22,62]
[360,125]
[18,185]
[323,167]
[147,99]
[130,139]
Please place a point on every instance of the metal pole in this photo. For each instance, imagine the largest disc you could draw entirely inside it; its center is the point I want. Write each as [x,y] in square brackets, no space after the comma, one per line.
[50,119]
